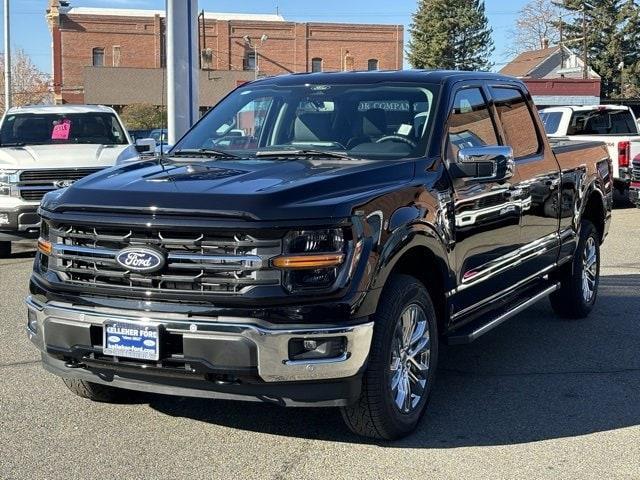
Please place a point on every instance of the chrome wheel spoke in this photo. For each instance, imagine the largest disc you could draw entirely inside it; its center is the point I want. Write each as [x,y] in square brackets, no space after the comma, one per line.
[411,351]
[589,269]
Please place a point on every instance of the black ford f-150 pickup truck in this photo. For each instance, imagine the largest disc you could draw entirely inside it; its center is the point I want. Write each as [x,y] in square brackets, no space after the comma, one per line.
[363,219]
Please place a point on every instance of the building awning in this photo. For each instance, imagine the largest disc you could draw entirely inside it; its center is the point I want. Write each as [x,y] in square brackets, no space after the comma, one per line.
[127,86]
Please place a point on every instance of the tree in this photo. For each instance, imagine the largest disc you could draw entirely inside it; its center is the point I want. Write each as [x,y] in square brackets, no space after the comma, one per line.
[142,116]
[537,21]
[609,39]
[452,34]
[630,73]
[29,85]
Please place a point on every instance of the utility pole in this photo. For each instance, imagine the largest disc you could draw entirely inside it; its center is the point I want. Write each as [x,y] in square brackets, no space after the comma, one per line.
[585,67]
[7,58]
[561,44]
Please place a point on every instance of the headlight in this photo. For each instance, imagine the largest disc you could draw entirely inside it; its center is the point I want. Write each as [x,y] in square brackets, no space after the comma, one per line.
[8,179]
[312,259]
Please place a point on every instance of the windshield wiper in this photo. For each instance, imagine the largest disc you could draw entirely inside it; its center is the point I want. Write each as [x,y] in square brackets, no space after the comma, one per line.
[205,152]
[303,153]
[13,144]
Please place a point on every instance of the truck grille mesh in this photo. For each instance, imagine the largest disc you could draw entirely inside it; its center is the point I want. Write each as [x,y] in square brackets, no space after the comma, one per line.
[34,184]
[635,172]
[212,263]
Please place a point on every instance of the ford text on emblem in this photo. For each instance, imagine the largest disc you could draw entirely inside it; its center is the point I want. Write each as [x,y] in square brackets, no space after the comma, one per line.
[143,260]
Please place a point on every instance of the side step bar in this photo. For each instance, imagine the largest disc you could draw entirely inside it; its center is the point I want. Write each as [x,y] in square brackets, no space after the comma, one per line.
[468,335]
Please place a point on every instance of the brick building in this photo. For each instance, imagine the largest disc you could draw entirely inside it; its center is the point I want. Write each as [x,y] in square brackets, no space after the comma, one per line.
[116,56]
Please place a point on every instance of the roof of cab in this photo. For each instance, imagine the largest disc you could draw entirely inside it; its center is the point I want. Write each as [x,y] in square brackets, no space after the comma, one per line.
[377,76]
[61,109]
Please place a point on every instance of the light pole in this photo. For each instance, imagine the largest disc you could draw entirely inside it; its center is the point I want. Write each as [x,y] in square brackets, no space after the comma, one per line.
[7,58]
[249,43]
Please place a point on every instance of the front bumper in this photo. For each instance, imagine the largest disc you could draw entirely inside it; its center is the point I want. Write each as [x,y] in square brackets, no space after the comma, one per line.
[22,223]
[205,357]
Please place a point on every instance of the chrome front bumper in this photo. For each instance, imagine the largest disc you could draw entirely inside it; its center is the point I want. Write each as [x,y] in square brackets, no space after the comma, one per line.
[270,342]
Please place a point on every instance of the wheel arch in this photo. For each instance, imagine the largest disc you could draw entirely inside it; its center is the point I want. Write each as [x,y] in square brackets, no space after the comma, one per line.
[421,255]
[594,210]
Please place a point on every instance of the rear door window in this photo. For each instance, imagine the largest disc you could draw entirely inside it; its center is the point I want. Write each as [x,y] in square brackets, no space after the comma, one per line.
[517,121]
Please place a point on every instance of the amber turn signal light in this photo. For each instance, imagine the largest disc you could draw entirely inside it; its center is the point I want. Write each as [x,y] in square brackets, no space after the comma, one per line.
[309,261]
[44,247]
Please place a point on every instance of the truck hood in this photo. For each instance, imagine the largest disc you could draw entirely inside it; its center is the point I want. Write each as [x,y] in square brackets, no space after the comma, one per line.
[257,189]
[64,156]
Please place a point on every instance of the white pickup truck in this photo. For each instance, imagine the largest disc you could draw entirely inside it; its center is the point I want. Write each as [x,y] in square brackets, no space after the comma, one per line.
[615,125]
[43,148]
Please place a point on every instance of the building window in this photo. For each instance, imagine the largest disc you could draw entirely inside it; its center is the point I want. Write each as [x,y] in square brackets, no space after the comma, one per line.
[372,64]
[116,56]
[98,57]
[316,65]
[250,60]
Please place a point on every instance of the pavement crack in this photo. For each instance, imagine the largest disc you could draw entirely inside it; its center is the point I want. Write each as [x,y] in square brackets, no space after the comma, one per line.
[294,459]
[18,364]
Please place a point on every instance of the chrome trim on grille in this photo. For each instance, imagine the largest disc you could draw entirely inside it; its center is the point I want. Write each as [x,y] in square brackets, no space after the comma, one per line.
[206,262]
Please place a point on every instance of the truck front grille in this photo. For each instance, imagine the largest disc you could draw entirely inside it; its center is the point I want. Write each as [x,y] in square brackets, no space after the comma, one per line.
[211,263]
[35,184]
[635,172]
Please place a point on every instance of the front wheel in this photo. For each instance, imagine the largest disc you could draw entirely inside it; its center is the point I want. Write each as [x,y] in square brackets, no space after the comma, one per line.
[96,391]
[579,285]
[402,363]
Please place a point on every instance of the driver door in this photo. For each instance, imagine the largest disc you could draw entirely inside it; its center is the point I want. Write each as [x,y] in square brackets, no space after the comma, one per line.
[487,227]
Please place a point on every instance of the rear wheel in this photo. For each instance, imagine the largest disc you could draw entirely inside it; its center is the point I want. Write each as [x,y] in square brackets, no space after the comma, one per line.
[5,249]
[579,285]
[96,391]
[402,363]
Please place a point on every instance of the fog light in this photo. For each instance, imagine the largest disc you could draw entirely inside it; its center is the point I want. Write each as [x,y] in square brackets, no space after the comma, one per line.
[317,348]
[4,219]
[32,321]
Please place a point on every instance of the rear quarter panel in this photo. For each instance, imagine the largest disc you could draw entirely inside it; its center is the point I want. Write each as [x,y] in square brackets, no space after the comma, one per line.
[586,172]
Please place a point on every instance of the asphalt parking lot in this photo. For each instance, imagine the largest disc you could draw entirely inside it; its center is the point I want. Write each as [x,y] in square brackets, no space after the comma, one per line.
[538,398]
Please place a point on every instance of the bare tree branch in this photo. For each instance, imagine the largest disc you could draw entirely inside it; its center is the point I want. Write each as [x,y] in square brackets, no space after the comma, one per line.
[30,86]
[537,21]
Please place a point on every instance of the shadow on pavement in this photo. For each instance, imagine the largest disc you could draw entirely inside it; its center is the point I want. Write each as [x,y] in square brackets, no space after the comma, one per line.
[536,378]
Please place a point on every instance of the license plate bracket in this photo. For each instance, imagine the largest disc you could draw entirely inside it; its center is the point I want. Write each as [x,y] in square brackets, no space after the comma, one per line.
[131,339]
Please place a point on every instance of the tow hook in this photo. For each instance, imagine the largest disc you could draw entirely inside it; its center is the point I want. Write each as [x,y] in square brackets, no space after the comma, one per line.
[74,364]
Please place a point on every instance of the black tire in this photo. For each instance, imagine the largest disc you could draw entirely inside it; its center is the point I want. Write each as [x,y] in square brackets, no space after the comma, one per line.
[96,391]
[376,414]
[570,301]
[5,249]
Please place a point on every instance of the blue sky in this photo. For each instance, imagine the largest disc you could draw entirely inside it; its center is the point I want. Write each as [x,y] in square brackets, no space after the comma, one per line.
[29,29]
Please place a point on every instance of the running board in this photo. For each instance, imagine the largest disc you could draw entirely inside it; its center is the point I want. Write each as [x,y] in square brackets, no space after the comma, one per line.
[469,334]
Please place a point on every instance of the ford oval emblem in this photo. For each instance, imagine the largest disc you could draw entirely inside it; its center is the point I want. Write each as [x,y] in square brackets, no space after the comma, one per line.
[140,259]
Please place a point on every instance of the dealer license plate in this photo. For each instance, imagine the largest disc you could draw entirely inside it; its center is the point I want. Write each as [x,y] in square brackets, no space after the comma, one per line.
[139,340]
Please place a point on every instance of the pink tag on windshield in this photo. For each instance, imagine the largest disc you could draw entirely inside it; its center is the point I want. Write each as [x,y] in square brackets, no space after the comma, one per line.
[62,130]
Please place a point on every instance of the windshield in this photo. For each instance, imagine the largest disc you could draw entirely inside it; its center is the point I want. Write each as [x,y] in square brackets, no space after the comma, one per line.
[602,122]
[380,121]
[551,121]
[54,129]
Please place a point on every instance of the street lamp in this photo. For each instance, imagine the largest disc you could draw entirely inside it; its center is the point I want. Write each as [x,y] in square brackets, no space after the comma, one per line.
[249,43]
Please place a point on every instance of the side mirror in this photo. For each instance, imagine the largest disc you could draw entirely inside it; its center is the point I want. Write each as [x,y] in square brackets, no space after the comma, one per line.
[146,146]
[488,163]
